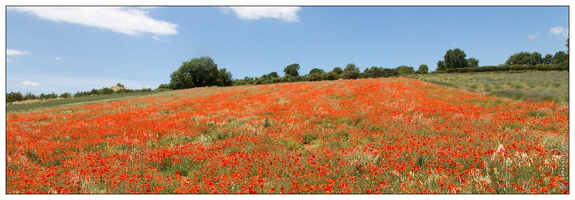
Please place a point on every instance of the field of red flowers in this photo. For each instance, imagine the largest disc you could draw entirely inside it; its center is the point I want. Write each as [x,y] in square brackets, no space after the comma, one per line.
[392,135]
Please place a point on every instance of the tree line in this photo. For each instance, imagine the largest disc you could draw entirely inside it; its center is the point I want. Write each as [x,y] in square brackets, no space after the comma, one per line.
[17,96]
[203,71]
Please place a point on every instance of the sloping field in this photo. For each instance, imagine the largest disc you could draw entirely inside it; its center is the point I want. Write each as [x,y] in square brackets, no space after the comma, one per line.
[394,135]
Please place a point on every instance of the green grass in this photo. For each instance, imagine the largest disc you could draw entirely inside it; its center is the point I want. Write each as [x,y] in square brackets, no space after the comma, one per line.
[25,106]
[530,85]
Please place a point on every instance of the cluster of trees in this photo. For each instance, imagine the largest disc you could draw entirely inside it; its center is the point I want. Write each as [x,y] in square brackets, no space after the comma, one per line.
[351,71]
[455,58]
[203,71]
[17,96]
[199,72]
[107,90]
[535,58]
[454,61]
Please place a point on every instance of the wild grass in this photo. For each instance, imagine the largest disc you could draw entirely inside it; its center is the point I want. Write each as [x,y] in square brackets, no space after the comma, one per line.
[530,85]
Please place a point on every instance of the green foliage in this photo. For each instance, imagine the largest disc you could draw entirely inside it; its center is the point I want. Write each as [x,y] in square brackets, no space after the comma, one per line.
[560,58]
[525,58]
[376,72]
[292,70]
[440,65]
[66,95]
[405,70]
[472,62]
[337,70]
[199,72]
[350,72]
[423,69]
[455,58]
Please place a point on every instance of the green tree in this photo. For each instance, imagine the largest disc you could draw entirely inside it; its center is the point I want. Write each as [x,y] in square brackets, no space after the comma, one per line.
[316,74]
[405,70]
[350,72]
[441,65]
[120,85]
[547,59]
[65,95]
[224,78]
[337,70]
[198,72]
[473,62]
[423,69]
[560,58]
[292,70]
[455,58]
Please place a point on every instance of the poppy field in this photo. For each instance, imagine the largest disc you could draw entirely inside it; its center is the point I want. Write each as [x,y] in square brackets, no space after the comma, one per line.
[380,136]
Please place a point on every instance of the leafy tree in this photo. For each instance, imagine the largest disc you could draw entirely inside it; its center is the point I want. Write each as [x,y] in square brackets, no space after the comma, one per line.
[525,58]
[472,62]
[120,85]
[350,72]
[422,69]
[316,71]
[337,70]
[224,78]
[376,72]
[405,70]
[455,58]
[560,58]
[29,96]
[199,72]
[547,59]
[65,95]
[316,74]
[292,70]
[14,96]
[441,65]
[331,76]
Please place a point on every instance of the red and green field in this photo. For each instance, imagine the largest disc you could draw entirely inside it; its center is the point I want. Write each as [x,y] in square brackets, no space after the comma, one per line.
[392,135]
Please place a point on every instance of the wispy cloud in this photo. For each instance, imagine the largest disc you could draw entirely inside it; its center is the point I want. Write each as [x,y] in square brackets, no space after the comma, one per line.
[532,36]
[456,44]
[288,14]
[559,31]
[156,38]
[12,52]
[8,60]
[29,83]
[57,58]
[131,21]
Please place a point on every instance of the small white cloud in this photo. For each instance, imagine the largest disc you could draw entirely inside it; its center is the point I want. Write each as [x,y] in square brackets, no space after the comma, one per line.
[456,44]
[155,38]
[57,58]
[28,83]
[131,21]
[532,36]
[12,52]
[288,14]
[8,60]
[559,31]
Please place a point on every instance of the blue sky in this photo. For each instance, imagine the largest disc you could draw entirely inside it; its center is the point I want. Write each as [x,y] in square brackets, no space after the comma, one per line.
[51,49]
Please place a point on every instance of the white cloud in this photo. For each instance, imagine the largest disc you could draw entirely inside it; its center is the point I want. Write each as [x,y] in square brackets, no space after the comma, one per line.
[12,52]
[288,14]
[131,21]
[532,36]
[559,31]
[57,58]
[28,83]
[8,60]
[155,38]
